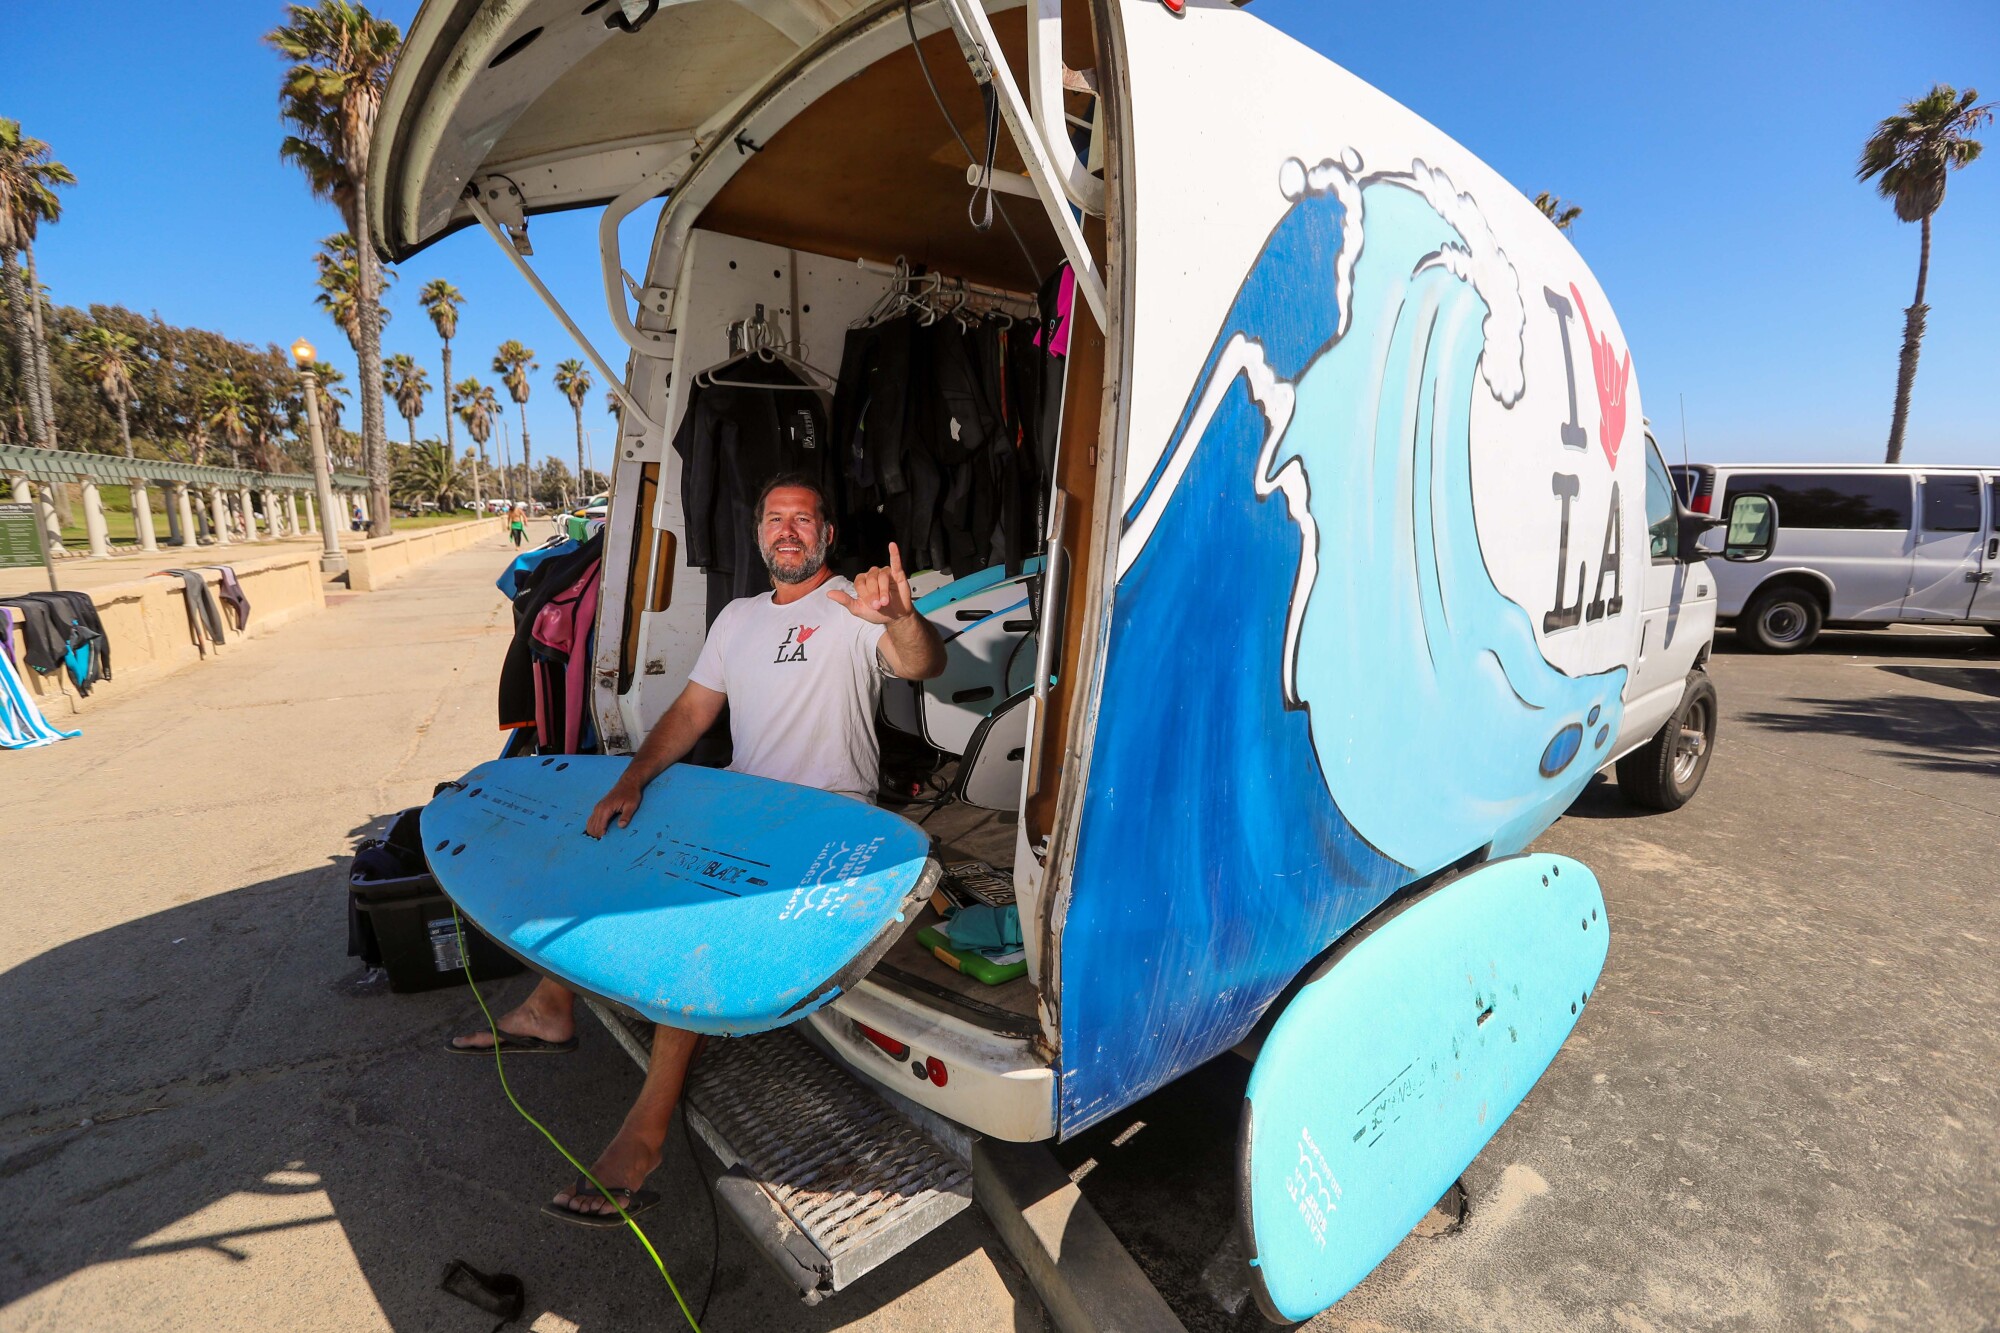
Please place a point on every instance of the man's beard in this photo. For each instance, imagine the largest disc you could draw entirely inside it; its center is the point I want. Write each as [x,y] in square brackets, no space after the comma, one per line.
[812,561]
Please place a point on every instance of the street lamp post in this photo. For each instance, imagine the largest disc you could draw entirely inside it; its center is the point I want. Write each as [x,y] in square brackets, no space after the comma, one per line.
[331,559]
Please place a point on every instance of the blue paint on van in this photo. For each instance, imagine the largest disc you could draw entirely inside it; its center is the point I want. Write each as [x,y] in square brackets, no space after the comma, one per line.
[1245,810]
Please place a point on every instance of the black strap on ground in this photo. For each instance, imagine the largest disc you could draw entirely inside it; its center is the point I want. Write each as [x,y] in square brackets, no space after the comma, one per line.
[495,1293]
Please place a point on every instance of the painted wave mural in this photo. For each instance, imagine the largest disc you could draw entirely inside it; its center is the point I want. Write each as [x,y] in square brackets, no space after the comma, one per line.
[1314,693]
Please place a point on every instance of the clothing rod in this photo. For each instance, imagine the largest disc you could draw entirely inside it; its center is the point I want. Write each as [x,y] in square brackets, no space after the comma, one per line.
[973,288]
[1006,182]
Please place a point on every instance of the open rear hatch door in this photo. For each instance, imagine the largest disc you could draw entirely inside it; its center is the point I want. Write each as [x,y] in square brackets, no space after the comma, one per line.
[1389,1071]
[571,102]
[731,905]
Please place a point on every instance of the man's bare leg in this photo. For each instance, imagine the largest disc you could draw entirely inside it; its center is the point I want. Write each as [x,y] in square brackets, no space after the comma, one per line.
[549,1012]
[635,1150]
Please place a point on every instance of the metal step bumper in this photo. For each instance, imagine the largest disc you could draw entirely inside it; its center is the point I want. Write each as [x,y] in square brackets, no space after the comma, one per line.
[824,1174]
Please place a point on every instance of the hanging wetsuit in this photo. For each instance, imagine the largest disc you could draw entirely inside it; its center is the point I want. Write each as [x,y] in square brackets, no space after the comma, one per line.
[62,631]
[232,594]
[960,428]
[547,580]
[732,440]
[204,617]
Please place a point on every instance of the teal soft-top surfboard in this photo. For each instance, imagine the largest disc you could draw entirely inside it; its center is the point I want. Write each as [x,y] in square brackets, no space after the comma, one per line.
[731,905]
[1387,1073]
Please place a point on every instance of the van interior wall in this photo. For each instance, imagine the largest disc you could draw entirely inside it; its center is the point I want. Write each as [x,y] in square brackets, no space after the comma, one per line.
[873,170]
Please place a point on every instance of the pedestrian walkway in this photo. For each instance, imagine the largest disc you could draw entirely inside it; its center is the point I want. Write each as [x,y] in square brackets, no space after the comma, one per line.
[215,1126]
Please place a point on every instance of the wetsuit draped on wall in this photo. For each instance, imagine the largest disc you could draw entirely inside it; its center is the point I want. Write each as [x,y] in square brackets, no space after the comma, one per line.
[62,631]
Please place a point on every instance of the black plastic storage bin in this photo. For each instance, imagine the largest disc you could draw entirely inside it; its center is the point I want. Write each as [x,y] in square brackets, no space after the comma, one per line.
[401,921]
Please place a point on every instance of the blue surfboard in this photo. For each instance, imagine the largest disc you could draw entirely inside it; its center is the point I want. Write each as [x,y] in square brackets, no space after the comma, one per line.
[1385,1076]
[731,905]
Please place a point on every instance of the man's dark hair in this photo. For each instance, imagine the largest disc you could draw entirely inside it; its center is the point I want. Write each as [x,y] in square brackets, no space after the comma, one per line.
[793,481]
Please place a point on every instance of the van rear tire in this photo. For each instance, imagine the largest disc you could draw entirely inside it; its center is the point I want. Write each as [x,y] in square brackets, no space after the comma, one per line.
[1666,772]
[1784,619]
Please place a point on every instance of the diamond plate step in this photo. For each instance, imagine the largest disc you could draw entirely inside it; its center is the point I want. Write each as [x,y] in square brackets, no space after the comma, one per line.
[826,1176]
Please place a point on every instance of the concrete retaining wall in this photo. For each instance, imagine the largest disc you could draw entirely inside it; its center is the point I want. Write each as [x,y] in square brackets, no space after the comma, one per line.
[371,564]
[147,625]
[146,619]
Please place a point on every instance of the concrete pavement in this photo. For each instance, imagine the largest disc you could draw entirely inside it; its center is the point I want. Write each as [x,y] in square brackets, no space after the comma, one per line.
[206,1123]
[1781,1109]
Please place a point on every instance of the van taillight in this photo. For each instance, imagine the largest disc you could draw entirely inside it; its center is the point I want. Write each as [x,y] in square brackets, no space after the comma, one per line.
[1702,502]
[896,1049]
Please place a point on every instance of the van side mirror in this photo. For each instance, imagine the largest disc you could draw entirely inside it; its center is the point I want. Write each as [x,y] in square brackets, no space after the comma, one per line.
[1752,525]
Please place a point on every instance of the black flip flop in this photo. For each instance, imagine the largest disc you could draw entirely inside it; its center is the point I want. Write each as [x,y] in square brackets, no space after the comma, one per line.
[513,1043]
[635,1202]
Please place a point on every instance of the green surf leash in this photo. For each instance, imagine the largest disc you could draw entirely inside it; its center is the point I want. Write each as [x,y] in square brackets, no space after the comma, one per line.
[465,960]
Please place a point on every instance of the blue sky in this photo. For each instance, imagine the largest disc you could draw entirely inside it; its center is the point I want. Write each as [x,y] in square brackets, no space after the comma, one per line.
[1711,145]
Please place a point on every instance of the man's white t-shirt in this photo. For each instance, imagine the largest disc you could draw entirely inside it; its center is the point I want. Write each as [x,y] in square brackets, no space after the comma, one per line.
[803,680]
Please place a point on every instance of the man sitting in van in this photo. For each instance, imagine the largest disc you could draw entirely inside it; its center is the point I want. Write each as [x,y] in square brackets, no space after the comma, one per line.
[800,668]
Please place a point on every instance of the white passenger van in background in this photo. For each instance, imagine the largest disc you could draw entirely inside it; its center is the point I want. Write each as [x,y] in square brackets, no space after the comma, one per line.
[1861,546]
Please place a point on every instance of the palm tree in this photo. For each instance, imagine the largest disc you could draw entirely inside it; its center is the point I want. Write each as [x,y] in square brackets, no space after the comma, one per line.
[106,354]
[441,301]
[573,382]
[409,383]
[339,281]
[28,181]
[1558,210]
[1911,153]
[428,474]
[331,404]
[477,407]
[341,56]
[228,406]
[512,364]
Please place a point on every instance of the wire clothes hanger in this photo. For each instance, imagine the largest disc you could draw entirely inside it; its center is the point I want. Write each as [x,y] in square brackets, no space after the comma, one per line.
[758,338]
[931,297]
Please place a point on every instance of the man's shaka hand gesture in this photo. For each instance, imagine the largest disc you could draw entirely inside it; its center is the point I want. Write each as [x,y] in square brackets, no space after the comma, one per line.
[880,596]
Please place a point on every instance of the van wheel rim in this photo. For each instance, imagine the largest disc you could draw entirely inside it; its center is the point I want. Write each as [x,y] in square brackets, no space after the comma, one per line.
[1691,744]
[1784,622]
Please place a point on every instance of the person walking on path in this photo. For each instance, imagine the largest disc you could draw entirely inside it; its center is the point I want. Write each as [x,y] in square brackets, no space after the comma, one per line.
[517,525]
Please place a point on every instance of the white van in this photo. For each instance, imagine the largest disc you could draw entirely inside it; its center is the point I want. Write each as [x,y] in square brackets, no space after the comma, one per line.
[1344,561]
[1862,546]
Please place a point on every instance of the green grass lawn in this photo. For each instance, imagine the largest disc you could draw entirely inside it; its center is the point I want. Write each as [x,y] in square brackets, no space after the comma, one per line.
[420,521]
[118,520]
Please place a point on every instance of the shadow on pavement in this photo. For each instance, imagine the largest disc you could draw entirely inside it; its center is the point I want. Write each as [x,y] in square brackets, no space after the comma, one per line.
[1939,735]
[1162,1174]
[1878,643]
[212,1122]
[1973,680]
[1601,799]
